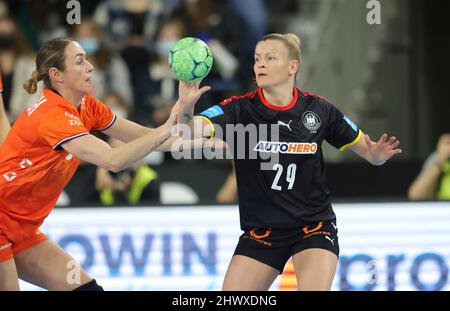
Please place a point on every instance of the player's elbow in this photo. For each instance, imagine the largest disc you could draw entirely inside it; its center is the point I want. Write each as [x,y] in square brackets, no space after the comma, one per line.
[114,169]
[112,163]
[114,166]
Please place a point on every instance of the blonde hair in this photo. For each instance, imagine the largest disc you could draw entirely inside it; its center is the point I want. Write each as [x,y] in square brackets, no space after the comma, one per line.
[291,41]
[51,54]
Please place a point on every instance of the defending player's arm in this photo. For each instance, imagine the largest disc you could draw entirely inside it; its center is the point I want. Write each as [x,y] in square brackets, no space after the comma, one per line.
[62,129]
[343,133]
[377,153]
[207,128]
[126,131]
[93,150]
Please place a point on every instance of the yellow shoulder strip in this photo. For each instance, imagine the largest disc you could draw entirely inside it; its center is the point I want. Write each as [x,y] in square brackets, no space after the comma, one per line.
[355,141]
[210,123]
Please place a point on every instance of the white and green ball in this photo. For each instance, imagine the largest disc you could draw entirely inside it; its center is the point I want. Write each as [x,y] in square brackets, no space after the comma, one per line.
[190,59]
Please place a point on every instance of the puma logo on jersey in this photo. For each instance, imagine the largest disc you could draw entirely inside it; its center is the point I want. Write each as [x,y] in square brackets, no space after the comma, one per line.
[288,125]
[330,239]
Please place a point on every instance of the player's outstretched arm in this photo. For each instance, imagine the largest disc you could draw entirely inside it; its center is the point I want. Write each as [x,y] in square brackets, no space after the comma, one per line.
[377,153]
[127,131]
[191,132]
[96,151]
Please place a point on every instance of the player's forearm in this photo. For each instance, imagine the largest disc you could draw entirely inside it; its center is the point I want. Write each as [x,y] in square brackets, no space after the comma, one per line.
[362,150]
[190,136]
[185,113]
[372,159]
[425,186]
[125,155]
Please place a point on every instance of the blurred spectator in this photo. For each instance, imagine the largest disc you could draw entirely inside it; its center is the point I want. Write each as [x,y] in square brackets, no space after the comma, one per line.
[137,184]
[4,10]
[433,181]
[16,66]
[131,26]
[81,188]
[43,20]
[221,29]
[111,72]
[254,18]
[88,7]
[163,89]
[130,22]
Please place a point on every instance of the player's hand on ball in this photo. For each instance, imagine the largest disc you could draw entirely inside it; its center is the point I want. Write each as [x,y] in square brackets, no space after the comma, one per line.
[189,93]
[382,150]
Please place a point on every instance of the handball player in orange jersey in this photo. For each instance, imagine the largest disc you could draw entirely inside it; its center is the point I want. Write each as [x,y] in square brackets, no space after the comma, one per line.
[42,152]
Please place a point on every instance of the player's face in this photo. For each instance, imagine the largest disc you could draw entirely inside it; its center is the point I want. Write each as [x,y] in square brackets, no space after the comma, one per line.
[272,64]
[78,73]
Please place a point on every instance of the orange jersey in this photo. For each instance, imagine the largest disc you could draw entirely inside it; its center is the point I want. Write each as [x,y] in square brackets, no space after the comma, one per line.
[34,168]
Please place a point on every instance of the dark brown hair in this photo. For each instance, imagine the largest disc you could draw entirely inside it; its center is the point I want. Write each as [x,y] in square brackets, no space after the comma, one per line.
[51,54]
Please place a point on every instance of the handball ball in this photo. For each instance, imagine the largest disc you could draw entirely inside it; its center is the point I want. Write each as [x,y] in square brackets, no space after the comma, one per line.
[190,59]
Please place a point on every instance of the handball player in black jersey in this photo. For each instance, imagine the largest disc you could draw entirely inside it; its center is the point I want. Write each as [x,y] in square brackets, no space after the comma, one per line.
[285,208]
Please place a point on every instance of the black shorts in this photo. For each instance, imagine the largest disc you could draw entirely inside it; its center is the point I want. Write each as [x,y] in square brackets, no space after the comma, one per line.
[275,247]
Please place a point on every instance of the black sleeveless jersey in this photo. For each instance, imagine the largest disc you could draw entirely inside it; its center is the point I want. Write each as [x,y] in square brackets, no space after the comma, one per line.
[281,175]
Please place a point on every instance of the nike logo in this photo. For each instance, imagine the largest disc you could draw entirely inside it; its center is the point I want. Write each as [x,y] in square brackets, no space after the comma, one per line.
[331,240]
[288,125]
[334,226]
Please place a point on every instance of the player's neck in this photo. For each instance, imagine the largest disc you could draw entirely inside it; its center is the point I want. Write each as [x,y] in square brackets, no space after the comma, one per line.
[74,97]
[279,95]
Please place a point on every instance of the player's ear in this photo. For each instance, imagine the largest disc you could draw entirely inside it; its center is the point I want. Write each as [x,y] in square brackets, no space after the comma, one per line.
[294,67]
[55,75]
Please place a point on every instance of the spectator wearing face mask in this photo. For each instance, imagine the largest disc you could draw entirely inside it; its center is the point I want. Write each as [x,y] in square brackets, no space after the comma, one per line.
[163,85]
[16,65]
[111,72]
[215,23]
[131,26]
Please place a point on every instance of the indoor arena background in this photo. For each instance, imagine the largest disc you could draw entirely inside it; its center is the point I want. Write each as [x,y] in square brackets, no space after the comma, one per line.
[383,63]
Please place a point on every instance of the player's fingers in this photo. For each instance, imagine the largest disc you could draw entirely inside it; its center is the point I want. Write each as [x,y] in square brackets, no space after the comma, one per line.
[197,84]
[392,139]
[204,89]
[394,144]
[368,140]
[396,151]
[382,139]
